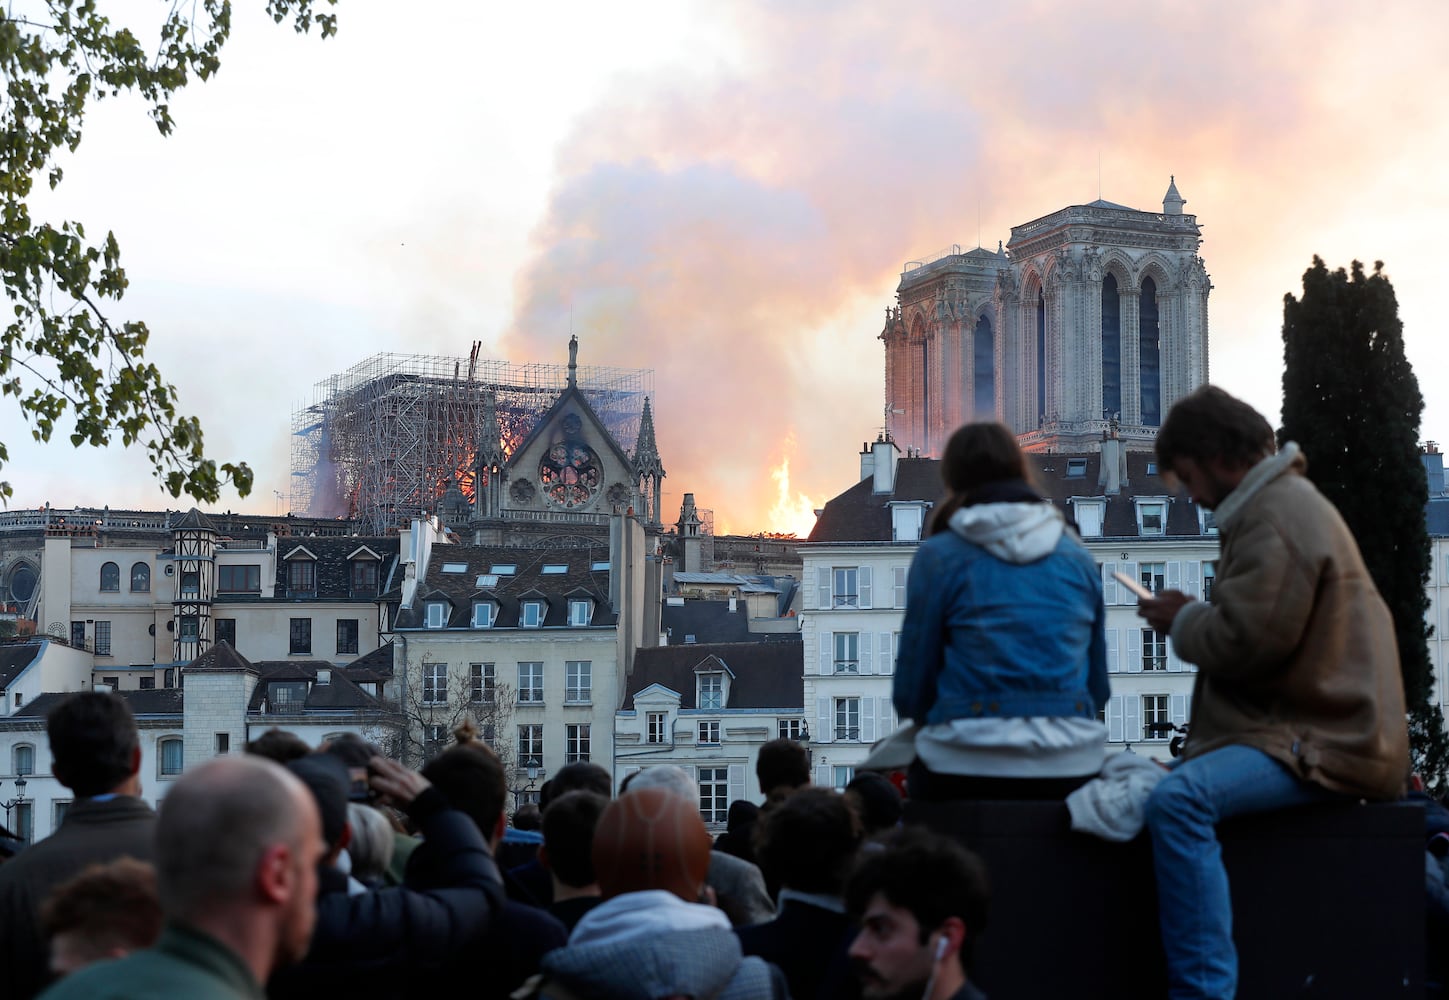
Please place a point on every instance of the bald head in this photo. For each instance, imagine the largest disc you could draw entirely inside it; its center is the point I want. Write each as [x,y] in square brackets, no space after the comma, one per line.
[217,824]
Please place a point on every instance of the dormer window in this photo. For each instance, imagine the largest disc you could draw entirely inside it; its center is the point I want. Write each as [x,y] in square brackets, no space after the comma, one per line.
[364,576]
[1089,512]
[907,520]
[1076,468]
[1207,522]
[711,691]
[455,568]
[580,611]
[483,614]
[437,612]
[530,614]
[302,576]
[1152,517]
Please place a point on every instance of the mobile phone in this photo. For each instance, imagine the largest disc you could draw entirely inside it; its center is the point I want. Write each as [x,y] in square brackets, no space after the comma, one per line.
[1142,592]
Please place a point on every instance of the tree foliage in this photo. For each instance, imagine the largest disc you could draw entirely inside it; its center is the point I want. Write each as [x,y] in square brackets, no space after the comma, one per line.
[60,351]
[1352,402]
[415,724]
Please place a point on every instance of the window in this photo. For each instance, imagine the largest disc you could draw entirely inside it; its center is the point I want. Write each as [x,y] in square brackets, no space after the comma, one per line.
[1209,573]
[503,569]
[578,681]
[840,776]
[482,683]
[24,759]
[301,636]
[714,794]
[554,569]
[25,821]
[346,635]
[578,743]
[456,569]
[58,809]
[140,578]
[364,576]
[487,581]
[1152,518]
[223,743]
[1154,650]
[656,727]
[1152,575]
[190,583]
[78,634]
[190,629]
[530,744]
[1154,709]
[530,683]
[287,696]
[103,638]
[437,613]
[531,614]
[302,576]
[711,691]
[1089,515]
[709,732]
[847,718]
[580,610]
[114,683]
[843,594]
[1207,521]
[898,575]
[483,615]
[148,683]
[168,677]
[791,729]
[847,652]
[241,579]
[110,577]
[435,683]
[1076,468]
[225,632]
[433,735]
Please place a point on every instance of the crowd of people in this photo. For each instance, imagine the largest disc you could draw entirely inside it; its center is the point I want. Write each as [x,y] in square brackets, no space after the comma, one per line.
[295,871]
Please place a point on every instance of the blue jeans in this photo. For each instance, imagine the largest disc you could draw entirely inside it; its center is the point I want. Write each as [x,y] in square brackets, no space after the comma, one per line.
[1194,909]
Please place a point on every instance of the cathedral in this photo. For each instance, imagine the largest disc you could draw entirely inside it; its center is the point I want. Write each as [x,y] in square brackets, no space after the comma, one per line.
[1090,323]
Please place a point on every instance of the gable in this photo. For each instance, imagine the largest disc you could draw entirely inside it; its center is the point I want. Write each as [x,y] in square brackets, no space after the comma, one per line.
[569,461]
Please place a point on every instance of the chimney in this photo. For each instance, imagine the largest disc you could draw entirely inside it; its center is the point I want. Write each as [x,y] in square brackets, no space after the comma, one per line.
[883,464]
[867,462]
[1112,473]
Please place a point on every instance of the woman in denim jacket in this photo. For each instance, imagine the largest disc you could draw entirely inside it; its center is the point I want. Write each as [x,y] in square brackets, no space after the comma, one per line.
[1002,656]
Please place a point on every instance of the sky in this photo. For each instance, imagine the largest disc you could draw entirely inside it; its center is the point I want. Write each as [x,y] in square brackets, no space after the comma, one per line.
[725,193]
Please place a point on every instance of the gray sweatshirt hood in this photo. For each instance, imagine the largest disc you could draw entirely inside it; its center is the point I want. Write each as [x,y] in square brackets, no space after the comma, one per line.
[1014,532]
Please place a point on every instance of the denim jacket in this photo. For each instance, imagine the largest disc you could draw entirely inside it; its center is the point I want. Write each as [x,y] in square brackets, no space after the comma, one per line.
[1004,618]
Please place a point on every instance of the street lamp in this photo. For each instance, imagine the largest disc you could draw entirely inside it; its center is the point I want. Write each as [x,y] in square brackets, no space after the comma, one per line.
[10,804]
[535,771]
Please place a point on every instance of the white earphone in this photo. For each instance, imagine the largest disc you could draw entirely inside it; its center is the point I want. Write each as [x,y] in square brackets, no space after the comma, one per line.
[941,944]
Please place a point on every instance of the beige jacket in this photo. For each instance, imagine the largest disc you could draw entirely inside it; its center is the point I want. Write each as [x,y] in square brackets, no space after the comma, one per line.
[1296,653]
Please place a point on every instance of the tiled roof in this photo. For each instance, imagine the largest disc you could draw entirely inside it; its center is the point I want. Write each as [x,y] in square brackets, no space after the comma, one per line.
[376,665]
[334,569]
[706,621]
[194,520]
[859,515]
[220,656]
[340,693]
[160,701]
[766,674]
[529,581]
[16,656]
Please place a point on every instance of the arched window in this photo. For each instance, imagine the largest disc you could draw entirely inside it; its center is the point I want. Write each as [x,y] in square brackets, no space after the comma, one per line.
[110,577]
[1150,355]
[1111,348]
[169,751]
[1041,410]
[140,578]
[24,759]
[984,359]
[22,582]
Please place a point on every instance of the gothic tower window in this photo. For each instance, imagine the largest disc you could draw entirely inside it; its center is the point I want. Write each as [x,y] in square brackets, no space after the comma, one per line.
[1111,348]
[1150,355]
[984,357]
[1041,357]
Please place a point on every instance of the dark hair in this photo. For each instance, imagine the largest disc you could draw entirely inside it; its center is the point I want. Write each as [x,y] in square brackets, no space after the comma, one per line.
[929,875]
[327,779]
[94,741]
[808,841]
[876,800]
[975,456]
[782,763]
[353,749]
[581,775]
[742,815]
[279,745]
[1210,424]
[112,905]
[527,817]
[470,776]
[568,835]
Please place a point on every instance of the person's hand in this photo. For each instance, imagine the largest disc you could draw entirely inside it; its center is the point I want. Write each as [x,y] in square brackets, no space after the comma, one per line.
[1161,611]
[396,784]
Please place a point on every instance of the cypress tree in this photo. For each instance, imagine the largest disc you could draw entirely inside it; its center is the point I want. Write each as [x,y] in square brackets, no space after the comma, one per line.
[1352,402]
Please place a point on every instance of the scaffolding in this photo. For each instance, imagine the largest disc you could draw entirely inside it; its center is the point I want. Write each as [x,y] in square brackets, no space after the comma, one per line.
[383,441]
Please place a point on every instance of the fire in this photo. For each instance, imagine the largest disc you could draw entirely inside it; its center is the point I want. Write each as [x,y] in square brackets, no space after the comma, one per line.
[790,514]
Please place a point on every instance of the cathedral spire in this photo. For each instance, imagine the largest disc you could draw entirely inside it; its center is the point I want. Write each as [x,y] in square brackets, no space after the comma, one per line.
[490,435]
[1172,202]
[646,452]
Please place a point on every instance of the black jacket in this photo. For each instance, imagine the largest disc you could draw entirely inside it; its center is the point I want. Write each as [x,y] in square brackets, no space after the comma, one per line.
[807,942]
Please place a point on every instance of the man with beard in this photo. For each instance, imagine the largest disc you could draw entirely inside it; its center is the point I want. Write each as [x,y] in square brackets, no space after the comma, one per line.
[921,900]
[237,847]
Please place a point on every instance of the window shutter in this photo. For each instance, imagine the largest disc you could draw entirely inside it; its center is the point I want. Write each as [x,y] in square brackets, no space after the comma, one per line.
[899,574]
[1134,650]
[867,660]
[737,782]
[1174,575]
[1109,584]
[822,577]
[887,654]
[1192,578]
[1133,719]
[887,719]
[867,720]
[1173,663]
[1179,709]
[1123,594]
[827,653]
[1114,719]
[822,776]
[863,578]
[824,730]
[1112,661]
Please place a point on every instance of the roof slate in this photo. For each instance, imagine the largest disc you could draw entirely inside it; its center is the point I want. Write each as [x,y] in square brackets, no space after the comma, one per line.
[460,590]
[16,656]
[707,621]
[334,569]
[766,674]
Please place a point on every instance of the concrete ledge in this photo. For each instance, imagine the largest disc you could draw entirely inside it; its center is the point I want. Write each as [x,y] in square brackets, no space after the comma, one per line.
[1328,902]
